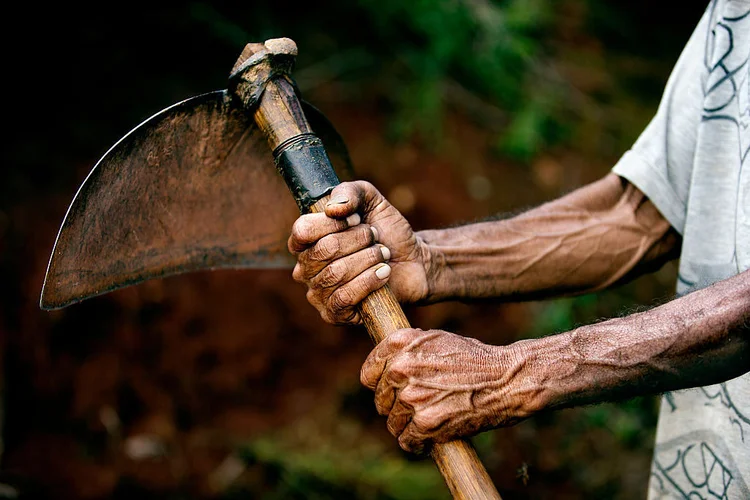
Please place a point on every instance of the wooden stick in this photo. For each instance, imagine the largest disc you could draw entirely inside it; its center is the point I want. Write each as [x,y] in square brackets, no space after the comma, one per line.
[280,116]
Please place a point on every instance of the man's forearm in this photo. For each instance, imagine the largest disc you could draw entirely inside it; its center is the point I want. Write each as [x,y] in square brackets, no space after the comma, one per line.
[699,339]
[436,385]
[598,235]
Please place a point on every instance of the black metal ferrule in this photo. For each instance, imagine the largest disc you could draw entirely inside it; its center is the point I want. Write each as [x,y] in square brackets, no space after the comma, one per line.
[303,163]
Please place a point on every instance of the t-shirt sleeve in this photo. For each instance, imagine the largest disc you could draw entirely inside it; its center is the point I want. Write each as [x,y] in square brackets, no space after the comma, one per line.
[661,160]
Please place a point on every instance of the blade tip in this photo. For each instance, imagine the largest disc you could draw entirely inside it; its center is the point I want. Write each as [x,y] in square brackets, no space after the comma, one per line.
[47,304]
[49,301]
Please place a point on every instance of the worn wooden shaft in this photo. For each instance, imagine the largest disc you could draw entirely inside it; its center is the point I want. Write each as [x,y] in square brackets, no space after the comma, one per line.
[280,116]
[457,460]
[462,470]
[279,113]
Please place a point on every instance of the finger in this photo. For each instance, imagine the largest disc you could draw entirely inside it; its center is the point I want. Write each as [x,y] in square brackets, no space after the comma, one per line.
[344,270]
[343,300]
[373,367]
[385,396]
[395,378]
[350,197]
[411,441]
[319,302]
[335,246]
[399,417]
[309,228]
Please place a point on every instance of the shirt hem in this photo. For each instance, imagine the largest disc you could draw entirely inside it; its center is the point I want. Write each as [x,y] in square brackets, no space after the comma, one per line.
[652,183]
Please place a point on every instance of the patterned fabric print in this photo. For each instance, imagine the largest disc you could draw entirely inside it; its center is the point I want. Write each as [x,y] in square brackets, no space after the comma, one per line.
[691,161]
[717,209]
[699,464]
[703,440]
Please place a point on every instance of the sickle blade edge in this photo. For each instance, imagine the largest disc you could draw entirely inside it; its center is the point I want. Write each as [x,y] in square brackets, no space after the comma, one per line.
[191,188]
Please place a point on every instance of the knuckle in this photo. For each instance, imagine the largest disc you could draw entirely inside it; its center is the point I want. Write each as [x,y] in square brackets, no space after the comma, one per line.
[297,274]
[301,230]
[394,426]
[364,377]
[380,404]
[426,421]
[361,287]
[391,426]
[406,441]
[332,275]
[400,338]
[384,398]
[407,395]
[325,249]
[314,298]
[381,409]
[399,369]
[421,424]
[340,301]
[365,237]
[326,316]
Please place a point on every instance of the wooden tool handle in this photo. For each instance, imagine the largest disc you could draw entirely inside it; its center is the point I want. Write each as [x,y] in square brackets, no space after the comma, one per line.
[279,114]
[457,460]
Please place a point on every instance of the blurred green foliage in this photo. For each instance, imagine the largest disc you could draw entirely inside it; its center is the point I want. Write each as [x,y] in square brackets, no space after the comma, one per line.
[504,63]
[330,456]
[483,47]
[431,54]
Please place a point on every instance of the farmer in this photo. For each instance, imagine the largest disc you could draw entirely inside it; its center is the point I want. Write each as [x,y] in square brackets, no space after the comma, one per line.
[683,190]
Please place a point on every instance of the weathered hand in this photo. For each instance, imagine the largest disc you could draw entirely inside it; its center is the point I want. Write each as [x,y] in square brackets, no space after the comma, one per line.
[358,245]
[436,386]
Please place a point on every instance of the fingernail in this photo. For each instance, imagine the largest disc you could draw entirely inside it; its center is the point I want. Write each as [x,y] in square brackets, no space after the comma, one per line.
[383,272]
[386,253]
[339,199]
[353,220]
[374,233]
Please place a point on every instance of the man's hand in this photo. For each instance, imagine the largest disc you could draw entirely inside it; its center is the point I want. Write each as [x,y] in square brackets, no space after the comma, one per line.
[358,245]
[436,386]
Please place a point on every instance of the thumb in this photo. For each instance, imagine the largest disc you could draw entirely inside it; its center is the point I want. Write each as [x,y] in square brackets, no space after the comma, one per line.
[350,197]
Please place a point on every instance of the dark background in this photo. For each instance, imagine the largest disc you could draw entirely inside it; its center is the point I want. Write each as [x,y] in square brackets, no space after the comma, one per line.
[228,384]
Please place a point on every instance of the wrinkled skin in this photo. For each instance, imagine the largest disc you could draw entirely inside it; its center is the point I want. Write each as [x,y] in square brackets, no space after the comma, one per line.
[436,386]
[339,251]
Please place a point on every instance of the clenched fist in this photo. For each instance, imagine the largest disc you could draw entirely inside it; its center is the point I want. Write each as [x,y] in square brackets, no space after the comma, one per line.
[358,245]
[436,386]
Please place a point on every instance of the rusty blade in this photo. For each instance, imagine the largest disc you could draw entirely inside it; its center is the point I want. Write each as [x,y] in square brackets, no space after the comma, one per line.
[193,187]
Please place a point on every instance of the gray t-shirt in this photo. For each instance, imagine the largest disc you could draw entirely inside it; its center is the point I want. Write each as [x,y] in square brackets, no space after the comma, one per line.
[692,162]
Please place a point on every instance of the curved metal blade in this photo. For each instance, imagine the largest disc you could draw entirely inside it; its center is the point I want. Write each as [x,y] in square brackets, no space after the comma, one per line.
[193,187]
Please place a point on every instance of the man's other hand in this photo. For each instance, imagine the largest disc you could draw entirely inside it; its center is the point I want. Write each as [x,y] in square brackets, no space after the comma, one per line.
[358,245]
[436,386]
